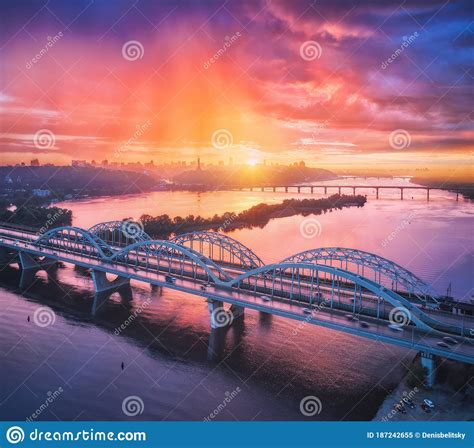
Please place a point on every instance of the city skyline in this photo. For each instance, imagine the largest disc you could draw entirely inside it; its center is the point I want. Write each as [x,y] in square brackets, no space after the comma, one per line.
[333,86]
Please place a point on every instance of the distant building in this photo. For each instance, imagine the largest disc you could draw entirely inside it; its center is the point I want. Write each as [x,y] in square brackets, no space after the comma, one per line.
[149,164]
[35,162]
[41,193]
[78,163]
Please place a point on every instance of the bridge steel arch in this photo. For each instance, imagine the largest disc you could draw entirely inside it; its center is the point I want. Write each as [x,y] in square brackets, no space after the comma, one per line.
[165,256]
[75,240]
[291,280]
[120,233]
[220,248]
[384,271]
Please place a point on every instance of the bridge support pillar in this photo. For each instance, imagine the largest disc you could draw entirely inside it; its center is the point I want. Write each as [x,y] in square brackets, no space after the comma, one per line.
[5,257]
[353,191]
[102,284]
[401,193]
[299,189]
[220,317]
[427,194]
[325,190]
[274,189]
[339,190]
[237,311]
[217,313]
[28,261]
[428,363]
[216,343]
[376,193]
[286,189]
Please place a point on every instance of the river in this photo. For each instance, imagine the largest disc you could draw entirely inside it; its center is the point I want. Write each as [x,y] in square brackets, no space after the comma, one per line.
[273,362]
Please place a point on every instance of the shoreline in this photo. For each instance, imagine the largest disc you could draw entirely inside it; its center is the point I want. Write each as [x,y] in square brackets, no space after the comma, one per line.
[451,402]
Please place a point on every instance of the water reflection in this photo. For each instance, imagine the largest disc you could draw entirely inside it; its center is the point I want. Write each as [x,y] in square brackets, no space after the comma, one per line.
[171,357]
[168,347]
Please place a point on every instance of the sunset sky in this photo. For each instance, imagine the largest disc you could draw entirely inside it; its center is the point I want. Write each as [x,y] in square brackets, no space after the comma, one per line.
[383,83]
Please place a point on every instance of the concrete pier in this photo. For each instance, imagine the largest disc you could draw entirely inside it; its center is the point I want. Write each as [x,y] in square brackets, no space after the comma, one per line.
[220,317]
[28,261]
[428,363]
[102,284]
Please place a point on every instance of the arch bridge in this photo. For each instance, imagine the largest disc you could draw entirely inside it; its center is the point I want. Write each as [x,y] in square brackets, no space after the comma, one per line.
[301,287]
[380,269]
[120,233]
[221,248]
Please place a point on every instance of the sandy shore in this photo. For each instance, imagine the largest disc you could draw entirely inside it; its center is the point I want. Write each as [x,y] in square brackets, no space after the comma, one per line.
[452,401]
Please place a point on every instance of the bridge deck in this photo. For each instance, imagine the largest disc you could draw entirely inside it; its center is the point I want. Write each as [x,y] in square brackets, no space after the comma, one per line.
[325,313]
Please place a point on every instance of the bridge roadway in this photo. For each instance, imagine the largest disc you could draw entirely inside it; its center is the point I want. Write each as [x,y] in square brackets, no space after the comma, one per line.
[348,300]
[326,312]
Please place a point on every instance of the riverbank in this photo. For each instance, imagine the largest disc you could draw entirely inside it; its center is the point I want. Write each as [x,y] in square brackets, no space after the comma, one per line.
[453,394]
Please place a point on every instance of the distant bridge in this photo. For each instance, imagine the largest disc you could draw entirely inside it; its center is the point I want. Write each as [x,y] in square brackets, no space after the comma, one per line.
[343,289]
[338,188]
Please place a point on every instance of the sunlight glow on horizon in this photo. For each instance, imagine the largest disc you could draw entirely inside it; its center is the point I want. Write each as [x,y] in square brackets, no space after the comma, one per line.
[194,76]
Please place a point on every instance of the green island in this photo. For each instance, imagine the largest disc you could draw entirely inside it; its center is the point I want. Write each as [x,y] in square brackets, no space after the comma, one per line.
[162,226]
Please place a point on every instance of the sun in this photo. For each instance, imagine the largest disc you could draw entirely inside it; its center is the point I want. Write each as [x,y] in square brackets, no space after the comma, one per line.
[252,162]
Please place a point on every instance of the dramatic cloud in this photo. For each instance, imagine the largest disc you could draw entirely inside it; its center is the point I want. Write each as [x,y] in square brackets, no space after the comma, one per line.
[326,81]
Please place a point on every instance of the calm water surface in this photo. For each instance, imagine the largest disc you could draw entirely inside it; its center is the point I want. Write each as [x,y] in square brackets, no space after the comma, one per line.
[165,349]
